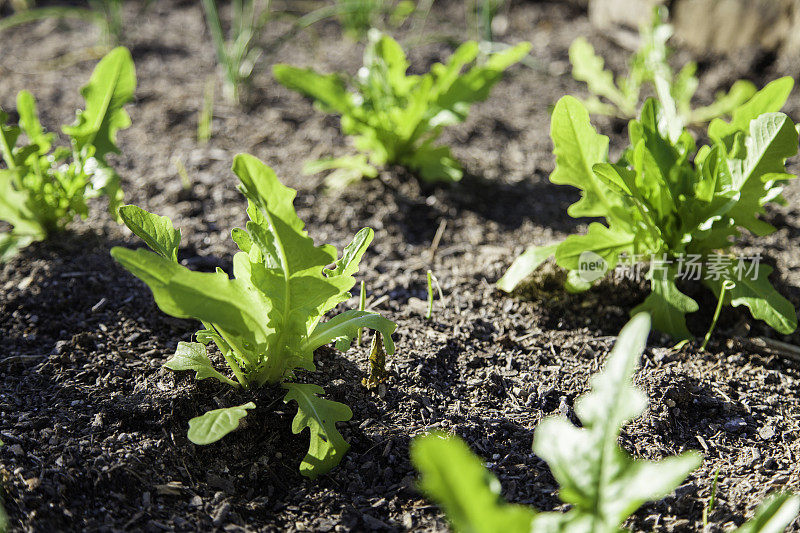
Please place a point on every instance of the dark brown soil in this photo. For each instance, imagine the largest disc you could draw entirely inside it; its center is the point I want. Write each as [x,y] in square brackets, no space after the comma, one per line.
[95,428]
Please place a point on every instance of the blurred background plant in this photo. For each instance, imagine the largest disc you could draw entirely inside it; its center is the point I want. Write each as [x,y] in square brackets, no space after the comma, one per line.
[483,20]
[238,52]
[357,17]
[649,70]
[105,14]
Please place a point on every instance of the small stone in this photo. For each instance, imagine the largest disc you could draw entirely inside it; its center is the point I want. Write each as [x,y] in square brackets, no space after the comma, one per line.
[221,513]
[735,425]
[99,305]
[766,432]
[17,450]
[324,525]
[60,347]
[196,501]
[563,408]
[373,523]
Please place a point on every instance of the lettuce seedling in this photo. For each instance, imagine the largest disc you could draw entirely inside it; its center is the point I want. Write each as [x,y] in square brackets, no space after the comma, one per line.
[266,321]
[602,484]
[673,206]
[44,188]
[649,66]
[396,118]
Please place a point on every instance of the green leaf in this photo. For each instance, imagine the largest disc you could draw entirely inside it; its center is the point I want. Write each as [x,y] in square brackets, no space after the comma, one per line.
[470,496]
[394,62]
[774,515]
[326,445]
[724,104]
[242,239]
[10,244]
[434,164]
[607,243]
[230,304]
[578,147]
[475,84]
[156,231]
[665,303]
[329,90]
[346,169]
[524,265]
[193,356]
[588,68]
[753,290]
[770,99]
[15,209]
[343,328]
[576,284]
[602,483]
[215,424]
[772,139]
[29,122]
[347,265]
[111,86]
[8,139]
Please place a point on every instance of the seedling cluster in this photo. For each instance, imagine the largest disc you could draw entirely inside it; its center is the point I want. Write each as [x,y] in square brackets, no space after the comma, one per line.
[266,321]
[396,118]
[44,187]
[666,202]
[689,185]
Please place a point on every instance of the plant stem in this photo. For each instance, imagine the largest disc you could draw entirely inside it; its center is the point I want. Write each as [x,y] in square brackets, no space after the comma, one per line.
[361,307]
[727,284]
[206,113]
[226,349]
[711,501]
[220,45]
[429,314]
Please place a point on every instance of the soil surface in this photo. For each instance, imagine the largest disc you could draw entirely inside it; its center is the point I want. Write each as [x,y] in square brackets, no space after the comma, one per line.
[95,429]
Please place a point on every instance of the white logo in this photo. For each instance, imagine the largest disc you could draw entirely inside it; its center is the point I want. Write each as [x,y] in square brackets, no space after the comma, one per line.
[591,267]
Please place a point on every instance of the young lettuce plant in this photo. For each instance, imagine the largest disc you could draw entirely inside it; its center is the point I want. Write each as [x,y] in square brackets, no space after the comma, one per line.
[649,65]
[266,321]
[673,206]
[44,188]
[396,118]
[600,481]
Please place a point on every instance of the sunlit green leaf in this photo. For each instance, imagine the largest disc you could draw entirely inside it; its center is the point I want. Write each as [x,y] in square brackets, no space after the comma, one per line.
[193,356]
[214,425]
[469,494]
[326,445]
[157,231]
